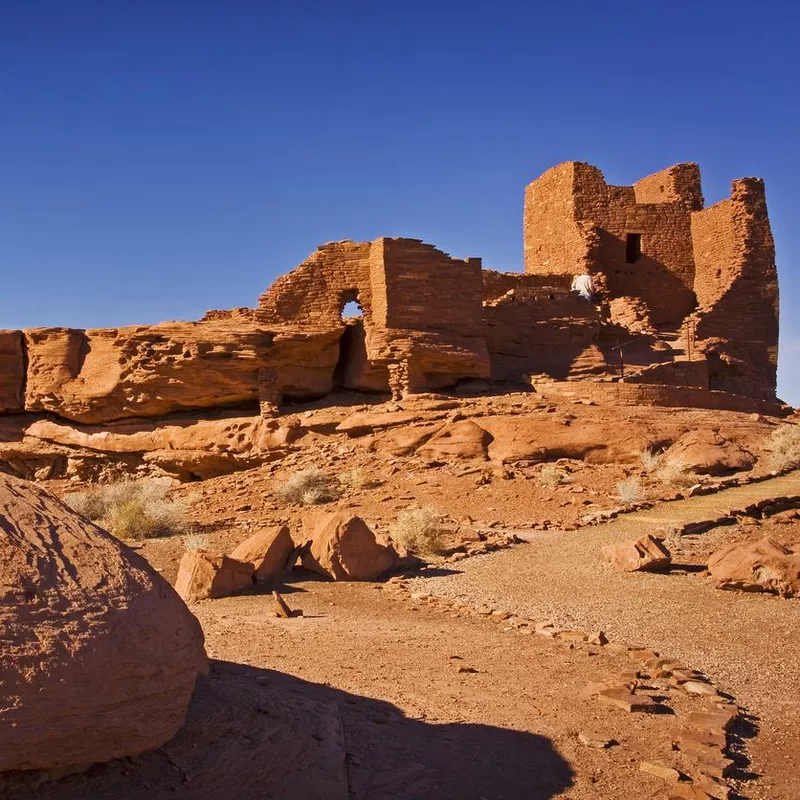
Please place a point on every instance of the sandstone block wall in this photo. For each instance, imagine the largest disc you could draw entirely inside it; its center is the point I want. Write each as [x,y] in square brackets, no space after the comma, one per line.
[419,306]
[575,222]
[736,283]
[12,371]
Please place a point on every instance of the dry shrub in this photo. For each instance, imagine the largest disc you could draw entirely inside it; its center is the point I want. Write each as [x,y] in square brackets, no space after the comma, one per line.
[195,541]
[357,478]
[419,530]
[551,476]
[308,487]
[675,473]
[784,446]
[649,459]
[132,509]
[672,537]
[629,490]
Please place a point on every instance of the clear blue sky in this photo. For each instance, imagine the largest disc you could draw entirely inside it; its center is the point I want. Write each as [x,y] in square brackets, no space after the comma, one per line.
[163,157]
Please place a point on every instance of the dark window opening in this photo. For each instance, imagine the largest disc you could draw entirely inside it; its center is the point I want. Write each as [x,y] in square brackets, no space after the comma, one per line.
[633,247]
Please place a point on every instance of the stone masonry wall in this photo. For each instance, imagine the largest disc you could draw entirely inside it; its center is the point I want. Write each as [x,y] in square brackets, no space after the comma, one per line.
[315,293]
[737,288]
[12,371]
[571,204]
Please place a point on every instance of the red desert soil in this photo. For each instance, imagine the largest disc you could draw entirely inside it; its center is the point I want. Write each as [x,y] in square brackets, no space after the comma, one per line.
[441,700]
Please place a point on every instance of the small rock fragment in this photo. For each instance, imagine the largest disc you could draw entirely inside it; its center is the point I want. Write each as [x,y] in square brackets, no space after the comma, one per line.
[597,740]
[659,770]
[281,608]
[626,701]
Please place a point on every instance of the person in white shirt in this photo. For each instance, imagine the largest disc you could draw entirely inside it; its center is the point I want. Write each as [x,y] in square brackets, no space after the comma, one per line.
[583,285]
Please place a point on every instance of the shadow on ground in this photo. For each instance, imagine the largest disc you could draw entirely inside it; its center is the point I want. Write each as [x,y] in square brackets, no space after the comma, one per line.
[392,756]
[254,734]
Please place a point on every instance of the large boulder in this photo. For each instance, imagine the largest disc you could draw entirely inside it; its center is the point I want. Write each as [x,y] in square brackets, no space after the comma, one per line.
[268,551]
[707,453]
[342,547]
[647,554]
[762,566]
[203,575]
[462,439]
[98,654]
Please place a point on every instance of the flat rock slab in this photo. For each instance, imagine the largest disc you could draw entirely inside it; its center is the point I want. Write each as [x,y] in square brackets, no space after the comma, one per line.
[626,701]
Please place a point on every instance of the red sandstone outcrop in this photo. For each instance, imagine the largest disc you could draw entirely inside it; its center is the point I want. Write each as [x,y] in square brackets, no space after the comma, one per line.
[268,551]
[645,554]
[342,547]
[455,440]
[762,566]
[94,376]
[707,453]
[99,655]
[547,439]
[204,576]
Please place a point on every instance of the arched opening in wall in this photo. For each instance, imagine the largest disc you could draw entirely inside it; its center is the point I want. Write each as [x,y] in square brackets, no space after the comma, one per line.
[353,370]
[352,308]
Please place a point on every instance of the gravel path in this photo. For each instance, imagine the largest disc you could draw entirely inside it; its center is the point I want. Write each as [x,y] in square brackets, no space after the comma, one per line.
[747,643]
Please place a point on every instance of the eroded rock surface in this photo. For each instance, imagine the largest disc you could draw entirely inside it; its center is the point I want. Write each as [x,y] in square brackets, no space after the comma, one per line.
[707,453]
[98,655]
[763,566]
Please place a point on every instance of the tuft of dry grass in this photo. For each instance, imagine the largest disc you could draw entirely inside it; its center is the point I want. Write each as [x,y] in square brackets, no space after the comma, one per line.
[132,509]
[649,459]
[195,541]
[307,487]
[629,490]
[675,473]
[418,529]
[784,446]
[551,476]
[357,478]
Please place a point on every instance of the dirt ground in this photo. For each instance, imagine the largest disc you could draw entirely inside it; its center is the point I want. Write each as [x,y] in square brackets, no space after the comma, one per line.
[437,697]
[746,642]
[476,708]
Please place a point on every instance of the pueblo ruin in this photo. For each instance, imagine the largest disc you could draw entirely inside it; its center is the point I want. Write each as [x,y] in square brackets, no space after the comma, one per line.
[525,487]
[686,299]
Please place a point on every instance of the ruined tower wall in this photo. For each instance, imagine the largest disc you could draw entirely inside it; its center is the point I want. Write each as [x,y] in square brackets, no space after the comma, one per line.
[554,241]
[664,273]
[315,293]
[12,371]
[575,222]
[677,184]
[737,288]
